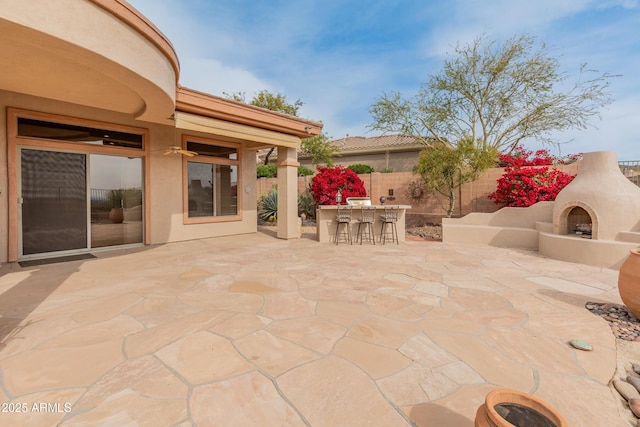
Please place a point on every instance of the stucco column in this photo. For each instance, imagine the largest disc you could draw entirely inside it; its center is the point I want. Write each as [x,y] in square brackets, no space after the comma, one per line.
[287,193]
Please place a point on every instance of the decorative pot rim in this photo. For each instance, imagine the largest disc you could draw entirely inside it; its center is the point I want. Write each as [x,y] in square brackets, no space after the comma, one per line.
[635,251]
[495,397]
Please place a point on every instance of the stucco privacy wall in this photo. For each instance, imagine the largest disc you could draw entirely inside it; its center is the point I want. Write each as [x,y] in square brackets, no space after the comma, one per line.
[472,197]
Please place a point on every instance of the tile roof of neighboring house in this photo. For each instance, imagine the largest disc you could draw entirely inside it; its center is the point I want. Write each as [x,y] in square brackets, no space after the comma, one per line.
[361,144]
[376,143]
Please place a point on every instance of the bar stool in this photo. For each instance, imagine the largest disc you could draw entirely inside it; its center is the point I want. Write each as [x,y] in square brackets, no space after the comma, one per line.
[343,219]
[367,218]
[390,217]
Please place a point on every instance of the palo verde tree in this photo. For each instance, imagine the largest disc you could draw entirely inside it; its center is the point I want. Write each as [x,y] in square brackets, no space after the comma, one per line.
[320,150]
[318,147]
[444,169]
[497,95]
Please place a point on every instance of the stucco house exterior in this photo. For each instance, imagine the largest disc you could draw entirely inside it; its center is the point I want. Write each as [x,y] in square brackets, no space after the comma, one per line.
[91,108]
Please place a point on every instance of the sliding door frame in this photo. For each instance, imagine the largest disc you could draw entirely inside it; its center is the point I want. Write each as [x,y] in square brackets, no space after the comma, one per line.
[14,142]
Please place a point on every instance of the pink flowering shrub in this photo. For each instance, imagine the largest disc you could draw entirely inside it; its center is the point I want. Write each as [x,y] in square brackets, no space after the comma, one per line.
[528,179]
[328,181]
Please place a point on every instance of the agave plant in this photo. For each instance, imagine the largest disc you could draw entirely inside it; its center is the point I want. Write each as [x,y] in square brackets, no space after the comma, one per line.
[268,206]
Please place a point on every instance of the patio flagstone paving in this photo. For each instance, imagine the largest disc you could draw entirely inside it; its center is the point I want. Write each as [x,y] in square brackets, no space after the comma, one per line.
[251,330]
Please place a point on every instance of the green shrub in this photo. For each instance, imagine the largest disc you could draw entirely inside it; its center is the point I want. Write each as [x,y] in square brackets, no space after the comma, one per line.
[307,206]
[268,205]
[305,171]
[387,170]
[360,168]
[267,171]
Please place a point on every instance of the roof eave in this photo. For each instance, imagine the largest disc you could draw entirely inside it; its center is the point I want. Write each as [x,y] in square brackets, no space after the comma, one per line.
[192,101]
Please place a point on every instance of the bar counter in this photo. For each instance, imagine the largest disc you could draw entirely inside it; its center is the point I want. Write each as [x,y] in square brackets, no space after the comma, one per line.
[326,221]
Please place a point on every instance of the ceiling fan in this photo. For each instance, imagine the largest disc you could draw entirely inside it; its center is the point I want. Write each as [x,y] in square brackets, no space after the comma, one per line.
[174,149]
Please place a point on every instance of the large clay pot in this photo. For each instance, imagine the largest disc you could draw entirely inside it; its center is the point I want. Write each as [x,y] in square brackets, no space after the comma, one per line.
[116,215]
[523,410]
[629,282]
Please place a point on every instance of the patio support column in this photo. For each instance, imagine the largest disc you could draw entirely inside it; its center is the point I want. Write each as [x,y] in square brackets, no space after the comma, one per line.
[287,193]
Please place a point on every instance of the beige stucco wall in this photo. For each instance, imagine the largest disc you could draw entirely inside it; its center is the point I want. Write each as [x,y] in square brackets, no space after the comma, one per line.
[166,210]
[602,253]
[166,195]
[508,227]
[27,102]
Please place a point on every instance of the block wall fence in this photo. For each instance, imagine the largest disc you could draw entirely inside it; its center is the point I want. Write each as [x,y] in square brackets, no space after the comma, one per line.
[471,197]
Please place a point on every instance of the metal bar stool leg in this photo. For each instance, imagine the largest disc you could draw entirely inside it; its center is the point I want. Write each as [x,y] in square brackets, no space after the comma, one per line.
[395,229]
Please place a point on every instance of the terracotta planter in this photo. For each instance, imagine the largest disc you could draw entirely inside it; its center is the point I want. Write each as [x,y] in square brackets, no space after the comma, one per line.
[116,215]
[629,282]
[508,408]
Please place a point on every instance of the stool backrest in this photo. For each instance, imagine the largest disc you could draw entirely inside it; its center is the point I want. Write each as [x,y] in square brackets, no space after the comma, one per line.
[368,214]
[344,213]
[390,214]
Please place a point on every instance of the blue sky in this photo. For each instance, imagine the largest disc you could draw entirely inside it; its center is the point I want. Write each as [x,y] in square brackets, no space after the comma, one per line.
[338,57]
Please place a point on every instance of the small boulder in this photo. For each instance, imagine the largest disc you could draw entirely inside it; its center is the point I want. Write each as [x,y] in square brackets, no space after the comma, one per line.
[634,381]
[626,390]
[634,405]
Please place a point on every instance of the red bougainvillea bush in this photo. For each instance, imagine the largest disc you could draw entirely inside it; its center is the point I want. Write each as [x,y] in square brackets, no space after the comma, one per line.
[328,181]
[520,157]
[528,179]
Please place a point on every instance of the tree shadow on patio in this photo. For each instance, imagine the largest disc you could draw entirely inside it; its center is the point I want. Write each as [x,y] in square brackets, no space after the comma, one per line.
[576,300]
[24,297]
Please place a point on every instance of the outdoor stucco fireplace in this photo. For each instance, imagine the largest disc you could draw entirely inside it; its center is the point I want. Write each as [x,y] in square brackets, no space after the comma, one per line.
[600,196]
[594,220]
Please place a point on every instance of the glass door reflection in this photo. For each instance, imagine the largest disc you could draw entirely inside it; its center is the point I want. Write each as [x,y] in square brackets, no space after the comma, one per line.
[116,200]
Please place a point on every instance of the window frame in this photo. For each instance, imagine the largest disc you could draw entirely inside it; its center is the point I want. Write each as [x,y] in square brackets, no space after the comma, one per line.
[212,161]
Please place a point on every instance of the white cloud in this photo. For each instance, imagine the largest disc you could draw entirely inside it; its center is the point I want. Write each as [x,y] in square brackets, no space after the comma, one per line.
[338,58]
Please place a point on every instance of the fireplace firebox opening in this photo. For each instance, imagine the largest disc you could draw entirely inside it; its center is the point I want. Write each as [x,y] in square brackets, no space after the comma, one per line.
[578,219]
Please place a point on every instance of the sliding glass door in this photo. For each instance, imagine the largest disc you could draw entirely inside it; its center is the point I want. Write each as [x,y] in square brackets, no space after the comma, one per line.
[73,202]
[54,201]
[116,200]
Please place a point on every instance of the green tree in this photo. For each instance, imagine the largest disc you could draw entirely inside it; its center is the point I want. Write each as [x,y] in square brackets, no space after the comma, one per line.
[444,169]
[267,100]
[274,102]
[319,149]
[496,95]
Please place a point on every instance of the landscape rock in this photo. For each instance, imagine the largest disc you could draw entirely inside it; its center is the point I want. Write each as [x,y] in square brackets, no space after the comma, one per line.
[626,390]
[634,405]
